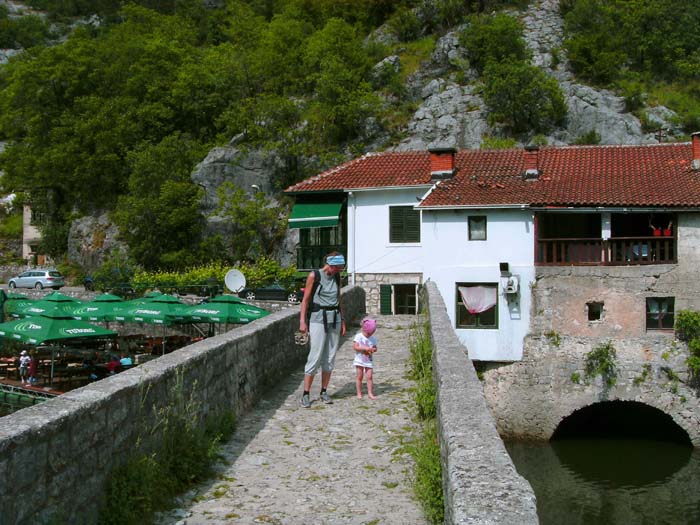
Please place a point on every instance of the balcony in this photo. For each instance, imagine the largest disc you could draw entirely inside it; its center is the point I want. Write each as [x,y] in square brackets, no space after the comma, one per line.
[616,251]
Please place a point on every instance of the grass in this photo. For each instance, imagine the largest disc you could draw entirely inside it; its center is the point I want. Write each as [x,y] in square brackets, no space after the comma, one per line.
[149,480]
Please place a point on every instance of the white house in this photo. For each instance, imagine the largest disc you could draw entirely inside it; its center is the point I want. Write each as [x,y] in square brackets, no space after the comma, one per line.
[481,224]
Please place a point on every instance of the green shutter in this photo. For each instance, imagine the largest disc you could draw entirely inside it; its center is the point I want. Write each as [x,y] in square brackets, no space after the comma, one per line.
[385,299]
[404,224]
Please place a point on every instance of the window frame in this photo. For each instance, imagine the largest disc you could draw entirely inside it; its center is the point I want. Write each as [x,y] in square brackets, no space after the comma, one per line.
[459,305]
[400,231]
[671,312]
[474,218]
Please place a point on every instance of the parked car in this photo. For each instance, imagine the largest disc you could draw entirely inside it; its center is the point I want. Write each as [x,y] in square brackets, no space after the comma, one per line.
[39,279]
[272,292]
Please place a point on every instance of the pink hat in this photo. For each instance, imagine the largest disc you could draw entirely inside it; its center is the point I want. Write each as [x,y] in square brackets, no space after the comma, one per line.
[369,325]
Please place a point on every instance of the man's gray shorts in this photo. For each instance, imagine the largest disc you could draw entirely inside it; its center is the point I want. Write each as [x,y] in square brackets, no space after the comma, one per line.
[324,346]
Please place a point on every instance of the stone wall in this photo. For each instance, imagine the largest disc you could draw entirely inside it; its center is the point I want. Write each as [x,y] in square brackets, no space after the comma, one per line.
[480,483]
[531,397]
[55,457]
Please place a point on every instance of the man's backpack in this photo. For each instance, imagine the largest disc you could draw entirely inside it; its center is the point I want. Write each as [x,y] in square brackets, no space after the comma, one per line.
[314,287]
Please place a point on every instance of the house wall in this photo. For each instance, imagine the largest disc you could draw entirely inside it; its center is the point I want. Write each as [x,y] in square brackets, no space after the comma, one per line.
[30,233]
[450,258]
[372,259]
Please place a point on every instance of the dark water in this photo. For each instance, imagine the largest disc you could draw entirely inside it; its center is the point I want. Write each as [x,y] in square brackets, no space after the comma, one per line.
[611,481]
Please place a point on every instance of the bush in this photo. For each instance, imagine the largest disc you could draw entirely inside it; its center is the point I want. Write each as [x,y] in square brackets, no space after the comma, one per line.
[494,39]
[405,25]
[688,325]
[601,362]
[523,97]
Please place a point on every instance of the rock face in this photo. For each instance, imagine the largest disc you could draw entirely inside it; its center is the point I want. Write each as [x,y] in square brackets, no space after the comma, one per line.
[91,240]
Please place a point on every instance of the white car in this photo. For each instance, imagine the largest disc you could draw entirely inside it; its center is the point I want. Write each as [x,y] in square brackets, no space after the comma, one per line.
[38,279]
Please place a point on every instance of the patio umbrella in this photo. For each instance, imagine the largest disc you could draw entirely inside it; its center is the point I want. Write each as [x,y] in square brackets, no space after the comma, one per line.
[101,308]
[15,304]
[164,309]
[225,309]
[54,305]
[38,330]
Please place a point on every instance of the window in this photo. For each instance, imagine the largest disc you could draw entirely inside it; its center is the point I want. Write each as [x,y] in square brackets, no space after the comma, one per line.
[404,224]
[477,305]
[477,228]
[595,311]
[660,313]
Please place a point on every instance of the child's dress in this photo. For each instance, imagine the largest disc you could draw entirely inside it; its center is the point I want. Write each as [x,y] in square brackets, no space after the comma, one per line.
[362,359]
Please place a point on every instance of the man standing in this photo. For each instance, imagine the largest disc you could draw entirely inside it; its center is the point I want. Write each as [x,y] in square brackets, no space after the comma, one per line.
[322,318]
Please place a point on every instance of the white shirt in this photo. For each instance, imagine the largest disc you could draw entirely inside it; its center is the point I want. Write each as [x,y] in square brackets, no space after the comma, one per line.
[360,358]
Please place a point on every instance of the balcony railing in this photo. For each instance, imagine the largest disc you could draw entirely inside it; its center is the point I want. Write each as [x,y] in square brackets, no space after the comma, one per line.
[617,251]
[311,257]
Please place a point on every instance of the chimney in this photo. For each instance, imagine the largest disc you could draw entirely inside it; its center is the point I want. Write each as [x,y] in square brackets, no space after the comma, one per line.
[532,171]
[442,163]
[695,137]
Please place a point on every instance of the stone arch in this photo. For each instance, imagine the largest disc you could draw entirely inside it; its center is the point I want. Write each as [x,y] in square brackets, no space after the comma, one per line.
[625,418]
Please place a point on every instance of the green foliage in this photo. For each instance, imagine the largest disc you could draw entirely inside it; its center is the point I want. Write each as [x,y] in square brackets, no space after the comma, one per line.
[591,137]
[646,371]
[192,279]
[554,338]
[257,223]
[186,449]
[428,473]
[405,24]
[426,449]
[523,97]
[687,325]
[264,271]
[115,273]
[491,142]
[22,32]
[496,38]
[601,362]
[11,225]
[159,218]
[576,377]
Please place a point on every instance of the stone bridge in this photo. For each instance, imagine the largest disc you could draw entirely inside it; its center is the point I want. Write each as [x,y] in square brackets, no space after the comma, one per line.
[56,457]
[531,398]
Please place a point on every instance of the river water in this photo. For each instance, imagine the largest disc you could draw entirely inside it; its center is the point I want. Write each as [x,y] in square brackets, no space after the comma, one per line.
[611,480]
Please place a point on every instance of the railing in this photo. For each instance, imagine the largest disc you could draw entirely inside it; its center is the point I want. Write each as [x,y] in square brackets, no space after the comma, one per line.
[617,251]
[311,257]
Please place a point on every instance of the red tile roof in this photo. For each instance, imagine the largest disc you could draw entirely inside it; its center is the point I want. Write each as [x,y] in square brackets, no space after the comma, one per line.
[634,176]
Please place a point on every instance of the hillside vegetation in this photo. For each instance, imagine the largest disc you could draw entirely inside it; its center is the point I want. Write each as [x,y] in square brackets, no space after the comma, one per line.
[117,115]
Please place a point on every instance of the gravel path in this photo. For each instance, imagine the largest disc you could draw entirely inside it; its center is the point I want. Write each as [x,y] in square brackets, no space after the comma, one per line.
[329,464]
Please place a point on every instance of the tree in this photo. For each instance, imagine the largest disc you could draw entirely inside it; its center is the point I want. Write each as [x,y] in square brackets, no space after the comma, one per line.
[523,97]
[159,218]
[494,39]
[256,224]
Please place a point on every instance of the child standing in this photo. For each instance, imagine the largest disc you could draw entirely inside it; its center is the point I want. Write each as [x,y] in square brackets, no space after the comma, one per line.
[24,360]
[365,346]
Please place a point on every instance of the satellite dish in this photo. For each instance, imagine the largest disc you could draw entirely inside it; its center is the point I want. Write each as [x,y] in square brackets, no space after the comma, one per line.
[234,280]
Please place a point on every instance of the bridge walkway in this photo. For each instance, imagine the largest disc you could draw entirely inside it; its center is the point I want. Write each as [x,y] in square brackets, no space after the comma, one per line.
[343,463]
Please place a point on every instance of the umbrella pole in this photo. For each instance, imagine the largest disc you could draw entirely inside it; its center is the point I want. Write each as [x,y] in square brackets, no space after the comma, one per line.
[52,357]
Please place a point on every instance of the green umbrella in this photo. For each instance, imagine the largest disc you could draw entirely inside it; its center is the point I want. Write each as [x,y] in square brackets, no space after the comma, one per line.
[38,330]
[54,305]
[225,309]
[101,308]
[16,303]
[164,309]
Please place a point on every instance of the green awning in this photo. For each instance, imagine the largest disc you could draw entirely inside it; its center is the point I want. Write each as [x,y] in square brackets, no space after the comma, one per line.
[315,215]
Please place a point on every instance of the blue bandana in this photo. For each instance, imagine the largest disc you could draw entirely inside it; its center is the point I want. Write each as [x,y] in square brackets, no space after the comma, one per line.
[335,260]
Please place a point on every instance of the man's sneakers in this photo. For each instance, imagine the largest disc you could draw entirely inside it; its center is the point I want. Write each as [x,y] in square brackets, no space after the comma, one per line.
[305,401]
[326,398]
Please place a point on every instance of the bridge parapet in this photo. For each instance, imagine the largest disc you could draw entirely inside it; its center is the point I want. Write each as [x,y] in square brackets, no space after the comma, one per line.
[480,483]
[56,457]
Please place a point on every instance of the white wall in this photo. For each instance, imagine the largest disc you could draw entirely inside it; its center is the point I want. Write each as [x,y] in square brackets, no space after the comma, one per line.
[371,251]
[450,257]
